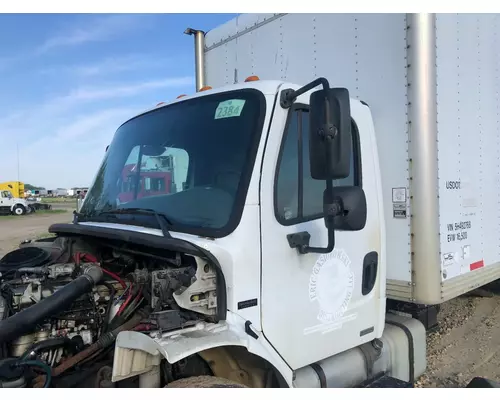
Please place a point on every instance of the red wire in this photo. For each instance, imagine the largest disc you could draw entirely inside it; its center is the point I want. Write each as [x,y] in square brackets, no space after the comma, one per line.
[126,302]
[115,277]
[144,327]
[138,297]
[90,257]
[138,294]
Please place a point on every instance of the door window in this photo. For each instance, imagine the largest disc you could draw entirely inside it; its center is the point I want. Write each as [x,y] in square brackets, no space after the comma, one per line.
[298,197]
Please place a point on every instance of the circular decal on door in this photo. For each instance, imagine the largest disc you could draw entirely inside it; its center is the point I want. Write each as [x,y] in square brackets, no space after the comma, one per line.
[331,284]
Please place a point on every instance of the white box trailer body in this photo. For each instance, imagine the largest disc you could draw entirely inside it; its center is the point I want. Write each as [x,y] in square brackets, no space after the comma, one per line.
[441,185]
[60,192]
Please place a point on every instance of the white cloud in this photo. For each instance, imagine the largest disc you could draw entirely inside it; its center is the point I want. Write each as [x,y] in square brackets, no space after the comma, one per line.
[87,125]
[107,66]
[90,94]
[94,93]
[6,62]
[71,156]
[131,62]
[62,140]
[33,115]
[97,30]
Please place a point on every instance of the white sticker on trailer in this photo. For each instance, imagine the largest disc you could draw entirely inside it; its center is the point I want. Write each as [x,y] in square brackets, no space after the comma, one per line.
[460,263]
[399,195]
[399,210]
[399,200]
[457,248]
[449,259]
[466,252]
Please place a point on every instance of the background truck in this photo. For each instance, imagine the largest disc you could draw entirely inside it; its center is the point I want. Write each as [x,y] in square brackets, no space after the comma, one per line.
[151,182]
[13,205]
[360,168]
[15,187]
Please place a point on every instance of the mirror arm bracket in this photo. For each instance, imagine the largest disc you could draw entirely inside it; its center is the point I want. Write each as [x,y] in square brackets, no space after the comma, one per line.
[300,240]
[288,96]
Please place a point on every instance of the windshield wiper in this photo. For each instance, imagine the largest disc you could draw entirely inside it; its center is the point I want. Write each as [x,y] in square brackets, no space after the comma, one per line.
[162,219]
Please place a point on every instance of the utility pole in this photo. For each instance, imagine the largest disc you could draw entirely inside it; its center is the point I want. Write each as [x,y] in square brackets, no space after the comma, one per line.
[18,170]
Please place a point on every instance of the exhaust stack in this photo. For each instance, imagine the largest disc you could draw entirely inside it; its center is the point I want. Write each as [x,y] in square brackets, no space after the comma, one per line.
[199,53]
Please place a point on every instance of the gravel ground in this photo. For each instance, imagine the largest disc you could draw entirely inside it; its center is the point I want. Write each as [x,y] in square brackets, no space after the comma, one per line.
[467,343]
[14,230]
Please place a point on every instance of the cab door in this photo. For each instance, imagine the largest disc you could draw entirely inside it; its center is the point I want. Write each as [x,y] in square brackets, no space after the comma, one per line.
[5,202]
[5,198]
[317,305]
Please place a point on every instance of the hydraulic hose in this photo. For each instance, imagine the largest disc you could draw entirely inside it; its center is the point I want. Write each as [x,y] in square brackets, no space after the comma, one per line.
[46,344]
[39,364]
[27,320]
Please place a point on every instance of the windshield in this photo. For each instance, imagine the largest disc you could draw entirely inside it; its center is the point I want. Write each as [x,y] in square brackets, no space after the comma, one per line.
[190,161]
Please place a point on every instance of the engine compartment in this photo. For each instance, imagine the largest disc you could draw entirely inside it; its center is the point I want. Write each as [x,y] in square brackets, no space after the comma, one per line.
[64,300]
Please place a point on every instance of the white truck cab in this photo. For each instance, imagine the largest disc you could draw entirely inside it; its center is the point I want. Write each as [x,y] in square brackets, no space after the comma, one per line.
[12,204]
[303,292]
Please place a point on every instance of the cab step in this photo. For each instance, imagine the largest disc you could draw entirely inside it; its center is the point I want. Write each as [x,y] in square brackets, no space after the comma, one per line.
[385,381]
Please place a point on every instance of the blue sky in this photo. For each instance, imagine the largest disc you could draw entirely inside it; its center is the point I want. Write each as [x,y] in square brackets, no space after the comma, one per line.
[68,81]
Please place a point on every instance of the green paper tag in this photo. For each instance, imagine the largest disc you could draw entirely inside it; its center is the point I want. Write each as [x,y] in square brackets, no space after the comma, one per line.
[229,108]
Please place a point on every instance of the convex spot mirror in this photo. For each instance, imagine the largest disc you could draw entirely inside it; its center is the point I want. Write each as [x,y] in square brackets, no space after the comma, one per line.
[351,201]
[330,134]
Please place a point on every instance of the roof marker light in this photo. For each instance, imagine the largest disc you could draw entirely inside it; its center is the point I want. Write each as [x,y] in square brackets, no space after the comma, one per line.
[205,88]
[252,78]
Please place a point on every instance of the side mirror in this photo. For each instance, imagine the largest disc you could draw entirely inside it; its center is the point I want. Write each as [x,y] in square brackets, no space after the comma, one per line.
[352,209]
[330,146]
[330,134]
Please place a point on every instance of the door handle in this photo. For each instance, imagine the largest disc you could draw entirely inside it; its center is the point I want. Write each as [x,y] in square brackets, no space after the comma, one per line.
[370,269]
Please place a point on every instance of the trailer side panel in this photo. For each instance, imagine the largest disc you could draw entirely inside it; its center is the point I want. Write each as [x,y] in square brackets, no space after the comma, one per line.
[468,84]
